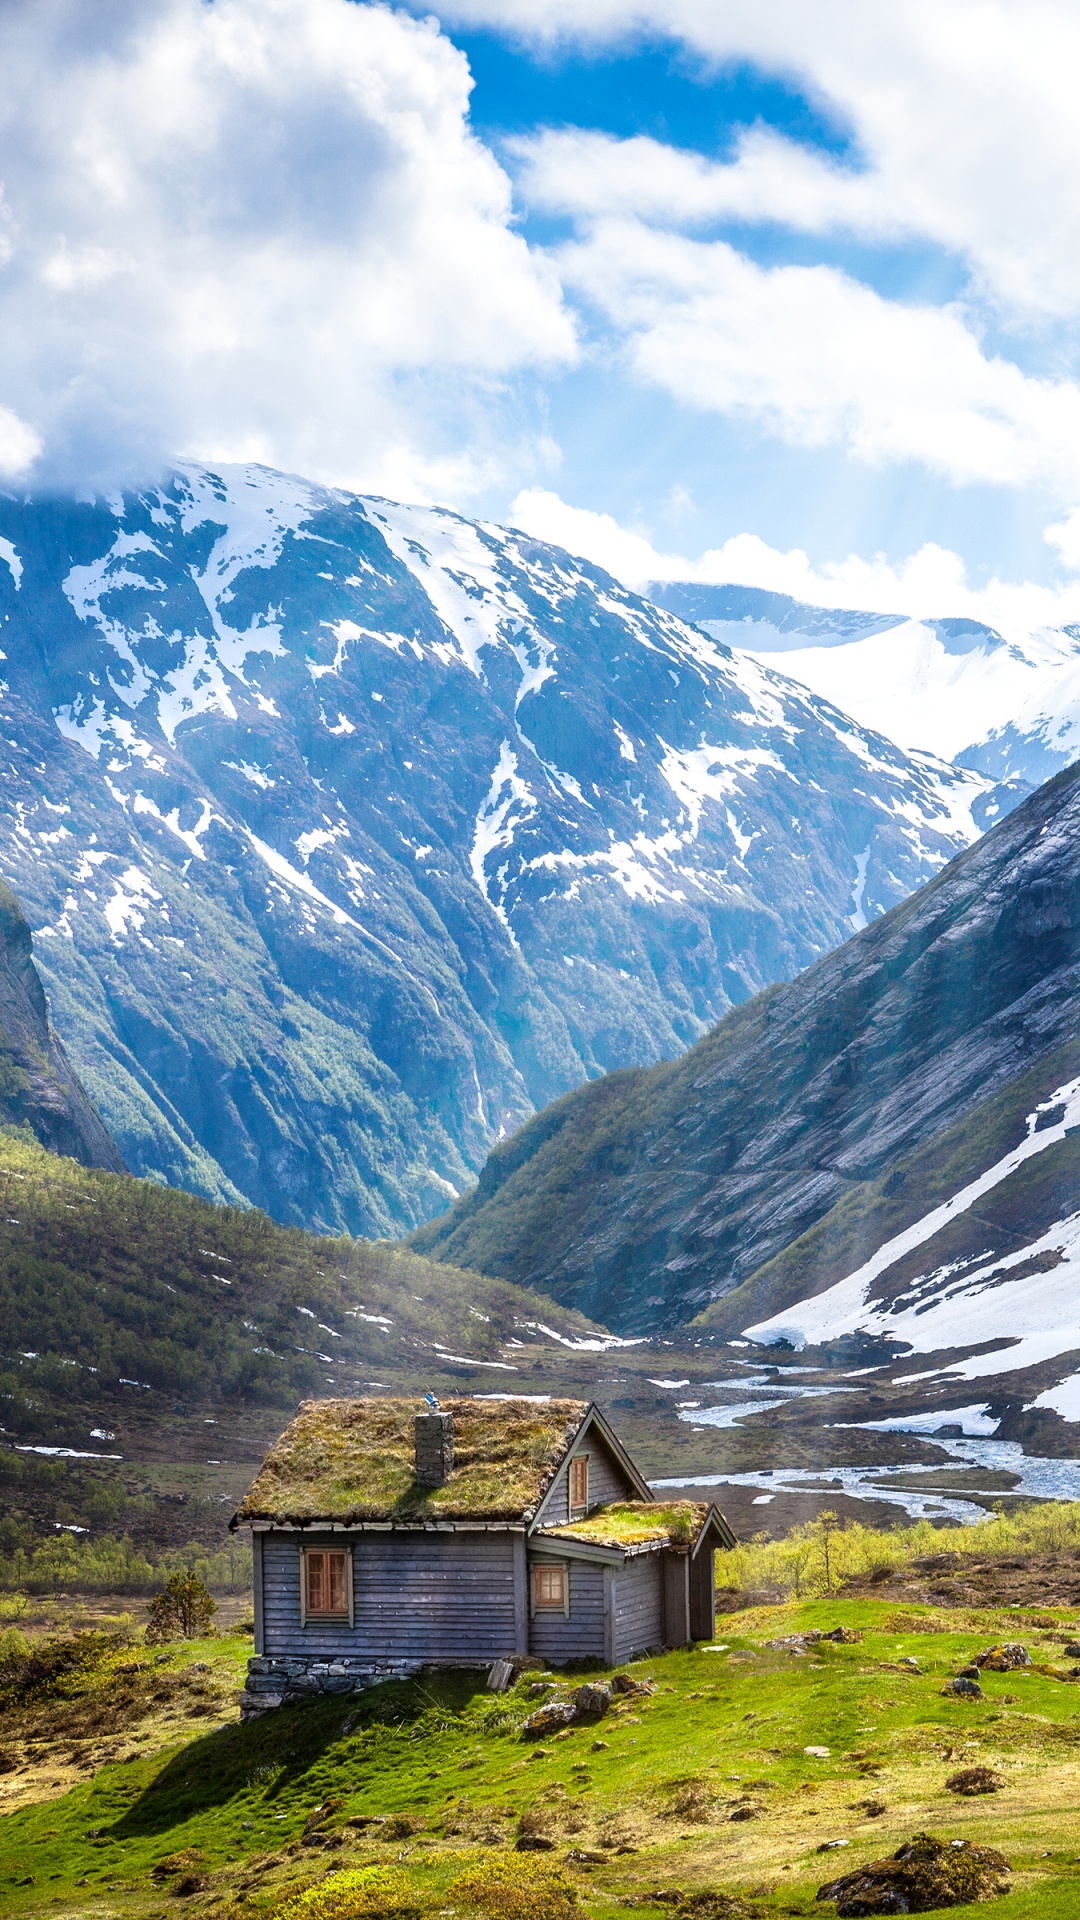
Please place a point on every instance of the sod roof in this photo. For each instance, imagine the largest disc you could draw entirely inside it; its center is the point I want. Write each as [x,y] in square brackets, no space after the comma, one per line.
[353,1460]
[636,1523]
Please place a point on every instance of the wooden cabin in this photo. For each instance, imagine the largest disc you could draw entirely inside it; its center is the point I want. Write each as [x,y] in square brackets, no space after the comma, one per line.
[388,1538]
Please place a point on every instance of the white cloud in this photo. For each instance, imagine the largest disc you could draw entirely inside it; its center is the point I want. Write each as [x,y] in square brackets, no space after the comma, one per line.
[822,359]
[963,113]
[930,583]
[257,229]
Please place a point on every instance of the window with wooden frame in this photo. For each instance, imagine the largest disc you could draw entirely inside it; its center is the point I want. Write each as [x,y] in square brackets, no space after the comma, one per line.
[551,1587]
[326,1588]
[579,1484]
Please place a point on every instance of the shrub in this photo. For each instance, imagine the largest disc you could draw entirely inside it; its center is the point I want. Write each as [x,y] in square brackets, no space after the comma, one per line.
[517,1887]
[182,1611]
[360,1893]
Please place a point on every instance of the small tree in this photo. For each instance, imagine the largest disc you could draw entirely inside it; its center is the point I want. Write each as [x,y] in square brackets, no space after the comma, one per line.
[182,1611]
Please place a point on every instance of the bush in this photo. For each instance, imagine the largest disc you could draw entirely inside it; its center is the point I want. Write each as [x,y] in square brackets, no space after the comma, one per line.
[515,1888]
[360,1893]
[183,1611]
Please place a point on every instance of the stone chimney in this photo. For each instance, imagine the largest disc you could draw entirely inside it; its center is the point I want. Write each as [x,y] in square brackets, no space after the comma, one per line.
[434,1448]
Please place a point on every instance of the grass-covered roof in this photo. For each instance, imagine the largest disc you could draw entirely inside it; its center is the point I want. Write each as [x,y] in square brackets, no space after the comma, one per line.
[353,1460]
[637,1523]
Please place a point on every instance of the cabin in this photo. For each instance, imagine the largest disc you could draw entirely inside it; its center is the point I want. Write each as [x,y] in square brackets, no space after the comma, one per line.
[390,1536]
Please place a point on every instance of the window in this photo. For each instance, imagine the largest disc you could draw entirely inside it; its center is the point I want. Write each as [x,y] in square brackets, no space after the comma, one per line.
[579,1483]
[326,1583]
[551,1589]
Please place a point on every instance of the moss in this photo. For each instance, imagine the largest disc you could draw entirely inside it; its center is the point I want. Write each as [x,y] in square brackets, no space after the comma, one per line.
[634,1523]
[351,1460]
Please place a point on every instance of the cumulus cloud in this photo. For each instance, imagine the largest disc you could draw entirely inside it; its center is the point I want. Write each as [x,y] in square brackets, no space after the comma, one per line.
[962,115]
[255,229]
[823,359]
[927,584]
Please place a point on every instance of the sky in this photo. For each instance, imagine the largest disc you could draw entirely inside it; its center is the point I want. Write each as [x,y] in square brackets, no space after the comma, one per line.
[717,289]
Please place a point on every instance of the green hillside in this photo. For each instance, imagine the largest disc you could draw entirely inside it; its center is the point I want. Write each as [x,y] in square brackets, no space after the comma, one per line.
[742,1779]
[153,1344]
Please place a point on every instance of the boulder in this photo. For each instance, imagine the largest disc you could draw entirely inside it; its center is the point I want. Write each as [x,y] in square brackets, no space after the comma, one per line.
[923,1874]
[557,1713]
[590,1701]
[968,1689]
[1003,1659]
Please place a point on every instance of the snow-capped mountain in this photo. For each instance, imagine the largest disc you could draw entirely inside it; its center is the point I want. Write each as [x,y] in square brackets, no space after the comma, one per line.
[1007,706]
[351,832]
[884,1152]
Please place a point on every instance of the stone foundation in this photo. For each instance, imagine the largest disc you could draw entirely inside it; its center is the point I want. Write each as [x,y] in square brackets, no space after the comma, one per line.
[285,1682]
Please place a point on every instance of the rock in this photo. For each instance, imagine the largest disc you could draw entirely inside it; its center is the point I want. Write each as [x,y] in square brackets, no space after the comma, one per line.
[830,1846]
[501,1676]
[1003,1659]
[625,1683]
[586,1857]
[817,1753]
[1072,1649]
[843,1636]
[556,1713]
[599,1746]
[533,1843]
[968,1673]
[969,1689]
[911,1665]
[591,1701]
[923,1874]
[744,1813]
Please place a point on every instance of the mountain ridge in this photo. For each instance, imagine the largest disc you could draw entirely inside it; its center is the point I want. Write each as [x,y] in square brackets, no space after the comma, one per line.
[351,832]
[823,1119]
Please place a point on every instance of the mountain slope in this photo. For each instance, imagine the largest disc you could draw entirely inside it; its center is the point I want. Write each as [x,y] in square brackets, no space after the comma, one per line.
[352,832]
[826,1119]
[37,1086]
[1008,705]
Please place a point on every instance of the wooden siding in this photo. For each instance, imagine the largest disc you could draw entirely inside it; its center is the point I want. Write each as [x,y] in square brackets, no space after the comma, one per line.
[703,1596]
[607,1481]
[639,1606]
[676,1575]
[257,1583]
[417,1596]
[556,1636]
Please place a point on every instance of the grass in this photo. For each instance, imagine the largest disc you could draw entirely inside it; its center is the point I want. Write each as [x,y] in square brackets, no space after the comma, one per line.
[817,1558]
[433,1780]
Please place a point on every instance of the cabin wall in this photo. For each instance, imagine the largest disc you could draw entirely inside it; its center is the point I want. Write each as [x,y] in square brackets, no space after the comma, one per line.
[639,1606]
[676,1580]
[557,1636]
[607,1481]
[417,1597]
[703,1596]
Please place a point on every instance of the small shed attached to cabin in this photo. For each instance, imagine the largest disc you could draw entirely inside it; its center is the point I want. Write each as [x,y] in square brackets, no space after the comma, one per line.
[387,1539]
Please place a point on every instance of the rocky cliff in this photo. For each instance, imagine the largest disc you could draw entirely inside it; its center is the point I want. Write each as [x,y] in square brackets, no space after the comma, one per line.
[37,1086]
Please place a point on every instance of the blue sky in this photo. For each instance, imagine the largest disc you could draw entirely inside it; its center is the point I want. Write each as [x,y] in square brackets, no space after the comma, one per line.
[710,287]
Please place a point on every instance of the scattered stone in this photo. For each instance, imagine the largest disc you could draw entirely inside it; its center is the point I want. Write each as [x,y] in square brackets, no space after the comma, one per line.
[975,1780]
[744,1812]
[906,1660]
[590,1701]
[625,1683]
[969,1689]
[818,1753]
[922,1874]
[556,1713]
[1071,1649]
[968,1673]
[843,1636]
[599,1746]
[586,1856]
[830,1846]
[1003,1659]
[534,1843]
[538,1688]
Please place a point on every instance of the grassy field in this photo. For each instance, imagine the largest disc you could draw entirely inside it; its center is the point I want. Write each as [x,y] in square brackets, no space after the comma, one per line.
[706,1783]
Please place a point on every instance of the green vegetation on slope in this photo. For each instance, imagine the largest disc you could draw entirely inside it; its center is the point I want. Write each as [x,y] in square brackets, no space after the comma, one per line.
[742,1770]
[141,1323]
